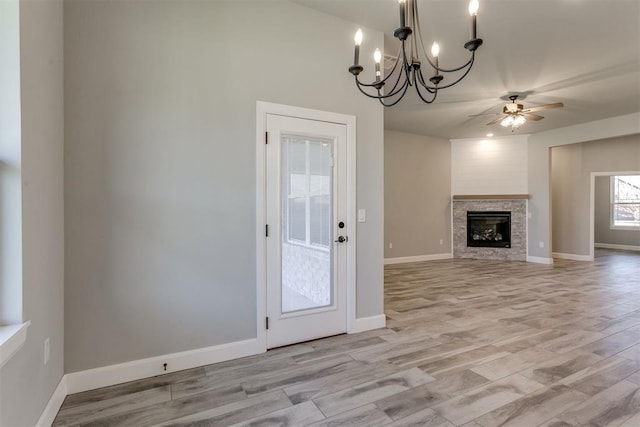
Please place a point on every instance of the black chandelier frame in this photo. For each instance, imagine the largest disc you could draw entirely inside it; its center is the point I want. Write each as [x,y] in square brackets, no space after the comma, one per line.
[410,70]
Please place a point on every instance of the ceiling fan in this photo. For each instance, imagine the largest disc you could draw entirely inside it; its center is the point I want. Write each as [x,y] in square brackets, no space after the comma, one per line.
[514,114]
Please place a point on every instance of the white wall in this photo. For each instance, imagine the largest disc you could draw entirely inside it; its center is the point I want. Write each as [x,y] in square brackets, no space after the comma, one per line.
[489,166]
[26,383]
[160,165]
[417,214]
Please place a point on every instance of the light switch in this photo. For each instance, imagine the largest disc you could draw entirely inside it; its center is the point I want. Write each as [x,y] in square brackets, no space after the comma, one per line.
[362,215]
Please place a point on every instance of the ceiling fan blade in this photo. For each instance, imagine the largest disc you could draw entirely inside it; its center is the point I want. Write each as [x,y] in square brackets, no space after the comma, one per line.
[499,119]
[485,114]
[543,107]
[533,117]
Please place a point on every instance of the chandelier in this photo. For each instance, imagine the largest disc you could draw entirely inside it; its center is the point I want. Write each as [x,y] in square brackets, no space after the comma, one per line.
[408,68]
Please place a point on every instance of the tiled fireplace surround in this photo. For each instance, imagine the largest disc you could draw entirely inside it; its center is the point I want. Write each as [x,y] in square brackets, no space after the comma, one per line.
[518,208]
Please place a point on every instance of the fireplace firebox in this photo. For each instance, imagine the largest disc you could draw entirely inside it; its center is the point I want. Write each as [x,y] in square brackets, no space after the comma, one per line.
[489,229]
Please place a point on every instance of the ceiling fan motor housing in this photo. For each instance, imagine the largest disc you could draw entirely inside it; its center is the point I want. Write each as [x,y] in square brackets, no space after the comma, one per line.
[512,108]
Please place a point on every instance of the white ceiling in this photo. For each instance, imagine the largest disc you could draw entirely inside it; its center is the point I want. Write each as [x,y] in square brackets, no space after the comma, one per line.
[585,53]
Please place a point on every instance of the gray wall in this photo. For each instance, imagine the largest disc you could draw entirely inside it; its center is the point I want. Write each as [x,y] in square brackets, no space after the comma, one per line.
[417,182]
[160,165]
[567,196]
[26,384]
[602,218]
[571,168]
[539,170]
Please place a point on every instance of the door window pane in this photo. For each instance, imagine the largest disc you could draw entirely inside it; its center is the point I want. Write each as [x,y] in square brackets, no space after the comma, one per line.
[296,154]
[320,217]
[296,223]
[307,175]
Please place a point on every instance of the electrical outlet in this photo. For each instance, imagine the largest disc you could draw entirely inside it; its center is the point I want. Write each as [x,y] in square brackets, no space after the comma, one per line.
[46,351]
[390,245]
[442,241]
[541,244]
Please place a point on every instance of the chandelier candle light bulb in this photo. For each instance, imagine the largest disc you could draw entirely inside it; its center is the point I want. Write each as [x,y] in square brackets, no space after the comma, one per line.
[377,57]
[473,11]
[358,40]
[435,51]
[403,11]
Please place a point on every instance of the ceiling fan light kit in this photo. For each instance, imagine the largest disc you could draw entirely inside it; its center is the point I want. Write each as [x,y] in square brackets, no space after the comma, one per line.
[513,120]
[407,69]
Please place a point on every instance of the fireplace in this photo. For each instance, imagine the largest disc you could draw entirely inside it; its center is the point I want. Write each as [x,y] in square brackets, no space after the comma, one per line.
[514,204]
[489,229]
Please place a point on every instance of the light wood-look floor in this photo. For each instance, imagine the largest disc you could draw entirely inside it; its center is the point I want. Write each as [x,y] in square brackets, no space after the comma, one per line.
[473,343]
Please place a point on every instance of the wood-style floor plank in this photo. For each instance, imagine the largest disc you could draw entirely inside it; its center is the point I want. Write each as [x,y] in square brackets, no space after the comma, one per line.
[468,343]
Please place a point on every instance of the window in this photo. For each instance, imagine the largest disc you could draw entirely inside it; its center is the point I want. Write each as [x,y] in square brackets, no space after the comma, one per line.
[625,202]
[307,183]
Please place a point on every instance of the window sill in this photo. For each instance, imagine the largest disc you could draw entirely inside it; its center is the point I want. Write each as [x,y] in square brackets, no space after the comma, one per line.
[622,227]
[12,337]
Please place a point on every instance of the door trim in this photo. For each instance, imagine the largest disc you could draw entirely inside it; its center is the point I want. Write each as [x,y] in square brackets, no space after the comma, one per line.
[262,109]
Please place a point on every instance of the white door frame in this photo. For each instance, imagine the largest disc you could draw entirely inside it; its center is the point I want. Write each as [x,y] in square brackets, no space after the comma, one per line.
[262,109]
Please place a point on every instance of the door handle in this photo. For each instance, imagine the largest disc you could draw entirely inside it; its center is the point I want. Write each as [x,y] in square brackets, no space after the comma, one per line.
[341,239]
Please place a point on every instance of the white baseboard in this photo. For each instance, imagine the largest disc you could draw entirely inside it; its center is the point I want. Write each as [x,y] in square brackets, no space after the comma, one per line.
[54,405]
[621,247]
[418,258]
[572,257]
[539,260]
[144,368]
[368,323]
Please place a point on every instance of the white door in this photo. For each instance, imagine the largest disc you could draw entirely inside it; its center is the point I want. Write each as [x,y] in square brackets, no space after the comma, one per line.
[307,230]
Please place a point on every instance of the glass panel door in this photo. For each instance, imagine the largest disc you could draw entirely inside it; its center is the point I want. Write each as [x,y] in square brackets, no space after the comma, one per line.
[307,246]
[307,218]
